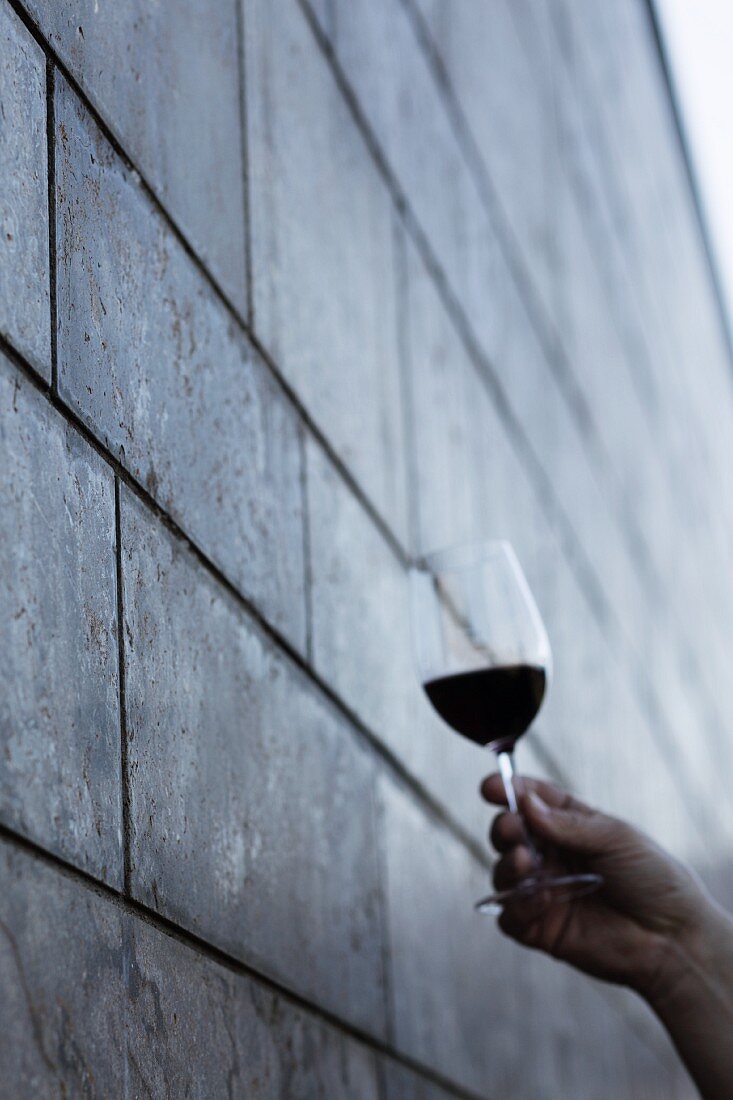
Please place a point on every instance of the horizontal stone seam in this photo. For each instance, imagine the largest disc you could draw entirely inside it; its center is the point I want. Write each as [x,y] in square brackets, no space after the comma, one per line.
[133,908]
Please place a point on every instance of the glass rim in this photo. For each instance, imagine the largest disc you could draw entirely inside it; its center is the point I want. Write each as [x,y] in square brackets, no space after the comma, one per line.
[464,555]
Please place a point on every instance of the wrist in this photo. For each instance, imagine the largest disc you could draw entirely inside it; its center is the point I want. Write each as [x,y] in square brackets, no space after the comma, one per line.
[681,962]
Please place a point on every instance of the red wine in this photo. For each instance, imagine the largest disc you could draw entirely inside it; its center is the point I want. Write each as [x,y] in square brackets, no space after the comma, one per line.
[490,705]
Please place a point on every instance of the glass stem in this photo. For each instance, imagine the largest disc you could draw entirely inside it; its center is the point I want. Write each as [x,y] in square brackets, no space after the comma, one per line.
[508,778]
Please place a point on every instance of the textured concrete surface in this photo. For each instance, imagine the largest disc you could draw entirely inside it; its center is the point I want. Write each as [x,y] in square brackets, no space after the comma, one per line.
[481,307]
[165,79]
[251,802]
[156,382]
[25,316]
[59,717]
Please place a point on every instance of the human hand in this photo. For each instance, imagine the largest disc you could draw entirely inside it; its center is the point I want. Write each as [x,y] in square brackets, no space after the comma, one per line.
[648,905]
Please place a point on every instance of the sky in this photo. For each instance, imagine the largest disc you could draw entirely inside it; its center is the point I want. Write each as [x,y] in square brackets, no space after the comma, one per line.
[698,36]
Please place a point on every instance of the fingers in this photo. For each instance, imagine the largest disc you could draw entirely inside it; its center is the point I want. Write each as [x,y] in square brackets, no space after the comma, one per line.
[516,865]
[492,789]
[573,826]
[507,830]
[521,920]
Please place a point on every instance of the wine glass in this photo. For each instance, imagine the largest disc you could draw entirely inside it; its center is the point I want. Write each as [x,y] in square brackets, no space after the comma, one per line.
[484,660]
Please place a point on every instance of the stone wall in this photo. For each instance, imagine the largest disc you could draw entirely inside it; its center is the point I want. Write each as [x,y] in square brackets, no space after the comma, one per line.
[289,292]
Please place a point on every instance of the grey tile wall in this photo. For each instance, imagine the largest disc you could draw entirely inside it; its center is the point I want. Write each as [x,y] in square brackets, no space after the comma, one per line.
[480,306]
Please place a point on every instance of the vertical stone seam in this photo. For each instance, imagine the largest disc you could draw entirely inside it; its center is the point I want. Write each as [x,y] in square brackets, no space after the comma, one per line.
[381,1078]
[307,549]
[51,175]
[244,130]
[124,772]
[399,260]
[383,908]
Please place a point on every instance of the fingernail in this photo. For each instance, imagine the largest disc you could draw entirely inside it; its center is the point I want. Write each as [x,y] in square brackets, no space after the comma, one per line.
[537,803]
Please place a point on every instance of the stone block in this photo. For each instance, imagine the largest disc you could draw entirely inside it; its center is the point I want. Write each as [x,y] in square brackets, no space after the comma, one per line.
[25,317]
[59,712]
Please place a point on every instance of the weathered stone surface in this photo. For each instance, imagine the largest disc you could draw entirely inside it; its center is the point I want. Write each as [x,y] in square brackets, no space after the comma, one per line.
[325,13]
[25,317]
[381,57]
[97,1002]
[602,450]
[198,1029]
[63,1010]
[59,718]
[165,78]
[155,365]
[401,1083]
[251,801]
[322,252]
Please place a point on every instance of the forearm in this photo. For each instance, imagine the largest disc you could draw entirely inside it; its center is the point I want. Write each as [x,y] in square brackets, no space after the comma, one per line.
[693,998]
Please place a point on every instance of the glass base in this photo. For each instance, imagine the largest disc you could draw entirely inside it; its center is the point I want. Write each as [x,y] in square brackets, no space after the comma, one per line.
[562,888]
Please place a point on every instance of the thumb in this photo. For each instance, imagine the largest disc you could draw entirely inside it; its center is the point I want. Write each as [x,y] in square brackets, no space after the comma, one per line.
[578,830]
